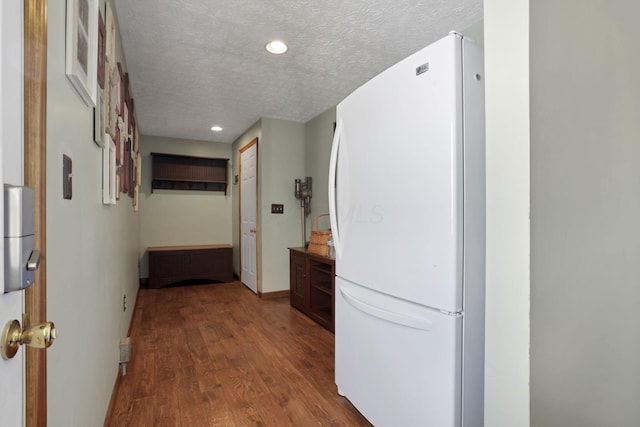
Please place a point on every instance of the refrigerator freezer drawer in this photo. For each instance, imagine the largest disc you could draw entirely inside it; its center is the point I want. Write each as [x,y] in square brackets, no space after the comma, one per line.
[399,363]
[401,319]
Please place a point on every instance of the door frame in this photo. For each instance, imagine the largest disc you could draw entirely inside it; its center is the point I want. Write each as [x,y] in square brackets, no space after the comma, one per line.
[35,173]
[250,144]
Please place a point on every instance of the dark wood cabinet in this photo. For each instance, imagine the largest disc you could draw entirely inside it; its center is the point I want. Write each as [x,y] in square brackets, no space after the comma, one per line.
[176,172]
[298,273]
[174,264]
[312,279]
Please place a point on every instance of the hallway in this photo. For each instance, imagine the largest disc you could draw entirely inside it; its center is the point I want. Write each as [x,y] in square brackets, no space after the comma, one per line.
[216,355]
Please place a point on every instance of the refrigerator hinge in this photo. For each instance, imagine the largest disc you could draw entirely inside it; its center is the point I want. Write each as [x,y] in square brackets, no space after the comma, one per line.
[456,314]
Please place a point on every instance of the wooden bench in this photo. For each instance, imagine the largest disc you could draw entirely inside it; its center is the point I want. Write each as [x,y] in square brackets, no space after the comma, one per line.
[173,264]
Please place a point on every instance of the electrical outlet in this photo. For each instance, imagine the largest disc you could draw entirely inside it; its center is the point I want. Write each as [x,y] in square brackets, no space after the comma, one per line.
[124,302]
[277,209]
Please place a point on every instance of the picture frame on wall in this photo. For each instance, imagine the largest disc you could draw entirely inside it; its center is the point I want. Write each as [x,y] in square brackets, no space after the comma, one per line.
[118,182]
[132,169]
[98,120]
[132,128]
[82,48]
[126,164]
[110,43]
[136,138]
[114,101]
[117,142]
[109,171]
[125,122]
[112,90]
[127,90]
[136,199]
[137,175]
[102,45]
[122,87]
[122,126]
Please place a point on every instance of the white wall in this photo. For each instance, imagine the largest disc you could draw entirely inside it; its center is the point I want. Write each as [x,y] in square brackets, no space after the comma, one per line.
[281,161]
[174,218]
[585,200]
[91,254]
[475,32]
[318,140]
[506,41]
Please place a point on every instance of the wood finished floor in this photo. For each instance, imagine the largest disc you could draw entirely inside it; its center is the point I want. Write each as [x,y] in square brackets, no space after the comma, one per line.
[217,355]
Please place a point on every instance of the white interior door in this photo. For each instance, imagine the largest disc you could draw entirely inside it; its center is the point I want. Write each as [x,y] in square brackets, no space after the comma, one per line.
[248,214]
[11,169]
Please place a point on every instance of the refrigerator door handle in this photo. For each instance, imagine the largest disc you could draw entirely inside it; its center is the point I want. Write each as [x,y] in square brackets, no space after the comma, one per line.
[381,313]
[333,208]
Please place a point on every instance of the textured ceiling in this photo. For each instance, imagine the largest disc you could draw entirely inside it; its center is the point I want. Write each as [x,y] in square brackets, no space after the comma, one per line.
[198,63]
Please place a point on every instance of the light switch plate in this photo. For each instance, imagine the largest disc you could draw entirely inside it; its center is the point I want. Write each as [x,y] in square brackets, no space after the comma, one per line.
[277,209]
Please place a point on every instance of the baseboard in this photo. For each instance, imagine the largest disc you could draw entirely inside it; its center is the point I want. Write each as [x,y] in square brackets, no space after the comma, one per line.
[114,397]
[116,385]
[272,295]
[133,315]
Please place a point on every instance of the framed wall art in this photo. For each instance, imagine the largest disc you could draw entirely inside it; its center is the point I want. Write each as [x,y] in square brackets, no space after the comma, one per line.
[136,138]
[125,122]
[123,137]
[117,142]
[98,120]
[132,129]
[102,45]
[112,90]
[110,42]
[109,171]
[113,84]
[82,48]
[126,165]
[122,87]
[136,199]
[131,169]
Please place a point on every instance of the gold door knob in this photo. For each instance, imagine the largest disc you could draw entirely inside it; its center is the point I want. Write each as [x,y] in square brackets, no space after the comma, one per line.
[253,230]
[38,336]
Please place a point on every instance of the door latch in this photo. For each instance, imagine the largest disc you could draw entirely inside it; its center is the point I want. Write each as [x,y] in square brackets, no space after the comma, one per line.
[38,336]
[20,258]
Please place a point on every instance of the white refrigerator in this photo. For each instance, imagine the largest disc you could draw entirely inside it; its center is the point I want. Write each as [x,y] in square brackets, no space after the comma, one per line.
[407,203]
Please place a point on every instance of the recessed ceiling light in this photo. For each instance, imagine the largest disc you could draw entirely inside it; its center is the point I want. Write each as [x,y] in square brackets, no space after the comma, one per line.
[216,128]
[276,47]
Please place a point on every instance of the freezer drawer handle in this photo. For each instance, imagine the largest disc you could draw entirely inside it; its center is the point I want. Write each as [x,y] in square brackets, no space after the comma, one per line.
[400,319]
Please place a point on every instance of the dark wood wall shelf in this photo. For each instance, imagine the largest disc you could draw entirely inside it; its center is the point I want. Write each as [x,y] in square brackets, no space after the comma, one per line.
[312,281]
[177,172]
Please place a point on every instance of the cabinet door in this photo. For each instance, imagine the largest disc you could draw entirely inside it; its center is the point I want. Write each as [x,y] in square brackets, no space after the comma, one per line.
[298,275]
